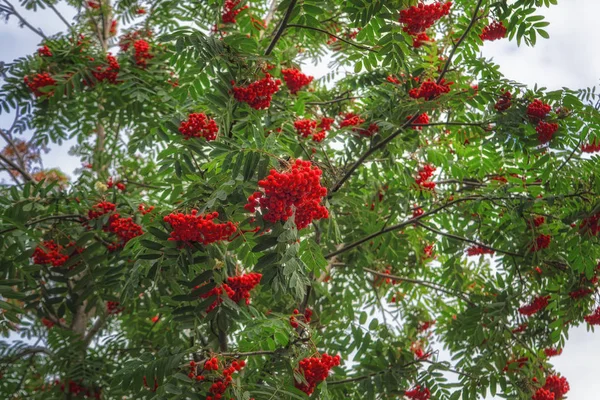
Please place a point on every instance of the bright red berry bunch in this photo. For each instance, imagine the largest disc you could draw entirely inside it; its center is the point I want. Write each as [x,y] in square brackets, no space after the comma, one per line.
[393,79]
[421,39]
[478,250]
[554,388]
[99,209]
[112,307]
[119,185]
[198,228]
[552,352]
[371,130]
[541,242]
[422,180]
[307,317]
[315,371]
[47,323]
[38,82]
[537,110]
[430,89]
[44,51]
[78,390]
[217,292]
[351,119]
[326,123]
[124,228]
[417,19]
[50,253]
[108,73]
[242,285]
[504,102]
[422,119]
[258,94]
[494,31]
[580,293]
[142,208]
[591,225]
[536,221]
[319,136]
[593,318]
[545,131]
[200,126]
[295,80]
[129,38]
[298,189]
[592,147]
[142,52]
[537,305]
[305,127]
[418,393]
[230,11]
[425,325]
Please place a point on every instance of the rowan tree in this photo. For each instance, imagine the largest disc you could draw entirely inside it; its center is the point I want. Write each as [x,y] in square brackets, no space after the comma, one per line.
[412,225]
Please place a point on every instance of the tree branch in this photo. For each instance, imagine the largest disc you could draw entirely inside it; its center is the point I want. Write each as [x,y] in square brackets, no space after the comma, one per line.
[368,376]
[473,242]
[358,46]
[87,339]
[462,38]
[25,352]
[23,21]
[281,27]
[17,168]
[52,217]
[430,285]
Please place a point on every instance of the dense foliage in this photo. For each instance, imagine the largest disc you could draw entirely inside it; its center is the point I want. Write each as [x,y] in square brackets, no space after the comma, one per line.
[412,225]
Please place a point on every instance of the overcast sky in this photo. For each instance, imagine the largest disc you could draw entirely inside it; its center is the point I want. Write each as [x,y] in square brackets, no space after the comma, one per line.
[568,59]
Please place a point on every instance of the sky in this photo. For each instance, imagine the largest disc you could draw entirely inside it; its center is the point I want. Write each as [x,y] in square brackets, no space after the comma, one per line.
[569,58]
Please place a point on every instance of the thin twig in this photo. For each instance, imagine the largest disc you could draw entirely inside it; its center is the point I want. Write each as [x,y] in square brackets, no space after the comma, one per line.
[73,217]
[17,168]
[14,11]
[358,46]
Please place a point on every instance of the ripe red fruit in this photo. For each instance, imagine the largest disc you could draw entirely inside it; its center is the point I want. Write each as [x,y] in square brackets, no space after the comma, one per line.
[112,307]
[124,228]
[200,126]
[417,19]
[551,352]
[258,94]
[142,53]
[592,147]
[38,82]
[297,190]
[424,174]
[537,110]
[326,123]
[315,371]
[504,102]
[99,209]
[430,89]
[593,318]
[478,250]
[305,127]
[145,210]
[541,242]
[50,253]
[545,130]
[421,39]
[537,305]
[198,228]
[418,393]
[351,119]
[295,80]
[44,51]
[109,72]
[494,31]
[230,11]
[422,119]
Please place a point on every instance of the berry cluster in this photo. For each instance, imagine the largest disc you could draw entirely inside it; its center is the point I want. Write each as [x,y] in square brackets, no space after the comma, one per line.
[315,371]
[305,127]
[142,208]
[425,325]
[298,188]
[370,131]
[47,323]
[124,228]
[537,110]
[423,179]
[351,119]
[198,228]
[393,79]
[295,80]
[142,52]
[592,147]
[230,11]
[417,19]
[418,393]
[199,125]
[242,285]
[326,123]
[131,37]
[541,242]
[545,131]
[38,82]
[307,317]
[513,364]
[50,253]
[119,185]
[536,221]
[430,89]
[593,318]
[421,39]
[99,209]
[218,293]
[590,225]
[258,94]
[428,251]
[112,307]
[478,250]
[580,293]
[504,102]
[422,119]
[494,31]
[44,51]
[108,73]
[537,305]
[554,388]
[552,352]
[521,328]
